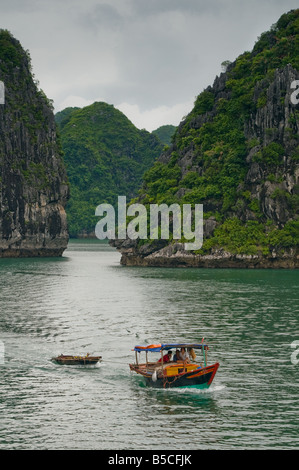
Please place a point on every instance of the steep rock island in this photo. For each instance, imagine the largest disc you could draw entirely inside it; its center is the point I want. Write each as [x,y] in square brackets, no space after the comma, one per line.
[33,181]
[237,154]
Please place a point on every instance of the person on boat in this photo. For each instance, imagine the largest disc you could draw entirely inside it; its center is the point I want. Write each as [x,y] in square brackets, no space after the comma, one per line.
[166,357]
[176,356]
[184,355]
[191,353]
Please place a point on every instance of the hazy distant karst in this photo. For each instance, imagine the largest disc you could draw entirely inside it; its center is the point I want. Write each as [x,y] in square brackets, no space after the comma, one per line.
[165,133]
[236,153]
[33,182]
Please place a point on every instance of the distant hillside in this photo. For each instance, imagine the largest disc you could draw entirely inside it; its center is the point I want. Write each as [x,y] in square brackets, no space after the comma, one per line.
[236,153]
[106,156]
[165,133]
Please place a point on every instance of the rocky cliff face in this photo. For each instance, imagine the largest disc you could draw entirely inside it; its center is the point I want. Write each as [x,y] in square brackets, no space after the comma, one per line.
[275,122]
[236,153]
[33,181]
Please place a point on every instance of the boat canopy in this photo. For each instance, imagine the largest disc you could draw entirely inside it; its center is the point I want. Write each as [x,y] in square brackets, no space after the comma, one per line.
[167,346]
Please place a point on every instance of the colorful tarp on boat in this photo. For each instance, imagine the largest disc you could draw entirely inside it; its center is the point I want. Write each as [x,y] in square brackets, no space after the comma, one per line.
[167,346]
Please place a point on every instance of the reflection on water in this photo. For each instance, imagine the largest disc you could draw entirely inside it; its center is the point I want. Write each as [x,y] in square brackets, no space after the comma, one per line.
[86,302]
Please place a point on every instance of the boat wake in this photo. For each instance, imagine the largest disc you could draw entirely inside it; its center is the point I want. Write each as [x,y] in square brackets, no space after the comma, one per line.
[195,391]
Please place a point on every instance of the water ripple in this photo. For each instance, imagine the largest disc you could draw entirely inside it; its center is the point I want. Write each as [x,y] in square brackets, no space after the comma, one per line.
[87,302]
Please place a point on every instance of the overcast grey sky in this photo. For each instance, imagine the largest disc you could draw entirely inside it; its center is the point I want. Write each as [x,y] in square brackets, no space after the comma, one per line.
[149,58]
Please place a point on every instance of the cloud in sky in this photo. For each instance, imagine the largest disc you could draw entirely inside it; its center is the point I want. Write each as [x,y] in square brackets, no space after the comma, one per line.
[150,58]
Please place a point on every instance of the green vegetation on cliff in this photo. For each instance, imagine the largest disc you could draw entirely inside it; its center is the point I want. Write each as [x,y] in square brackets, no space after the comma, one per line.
[237,150]
[61,117]
[106,156]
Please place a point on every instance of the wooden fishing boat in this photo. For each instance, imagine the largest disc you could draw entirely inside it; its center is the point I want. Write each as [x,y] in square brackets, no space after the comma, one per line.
[77,360]
[177,373]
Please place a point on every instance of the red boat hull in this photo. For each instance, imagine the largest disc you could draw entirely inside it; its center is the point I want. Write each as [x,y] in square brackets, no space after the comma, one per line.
[199,377]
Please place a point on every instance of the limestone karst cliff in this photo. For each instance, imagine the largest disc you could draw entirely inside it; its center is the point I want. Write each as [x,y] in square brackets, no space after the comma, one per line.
[33,181]
[236,153]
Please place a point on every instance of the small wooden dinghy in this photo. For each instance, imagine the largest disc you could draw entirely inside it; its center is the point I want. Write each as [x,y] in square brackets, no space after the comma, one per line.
[76,360]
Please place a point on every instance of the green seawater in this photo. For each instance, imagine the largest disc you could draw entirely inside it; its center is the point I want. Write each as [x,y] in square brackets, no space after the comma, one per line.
[87,302]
